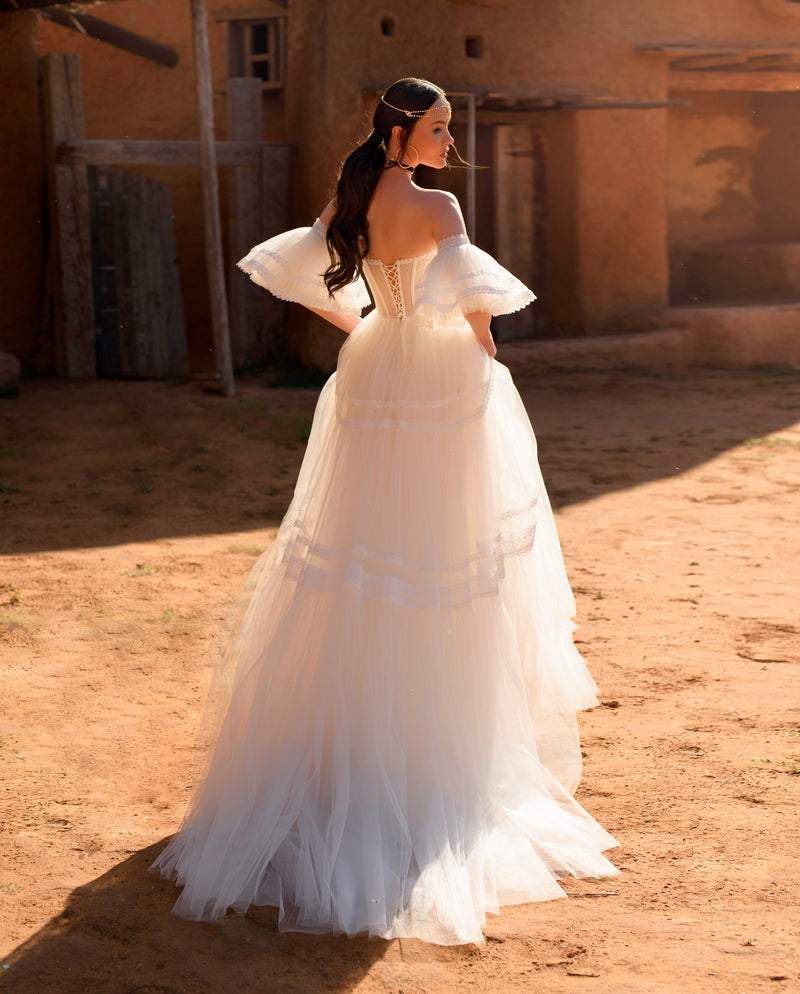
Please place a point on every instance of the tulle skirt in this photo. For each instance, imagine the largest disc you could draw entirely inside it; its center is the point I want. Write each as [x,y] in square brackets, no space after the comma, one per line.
[396,746]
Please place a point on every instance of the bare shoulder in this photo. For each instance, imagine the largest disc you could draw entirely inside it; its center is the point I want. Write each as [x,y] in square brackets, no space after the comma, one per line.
[327,215]
[444,213]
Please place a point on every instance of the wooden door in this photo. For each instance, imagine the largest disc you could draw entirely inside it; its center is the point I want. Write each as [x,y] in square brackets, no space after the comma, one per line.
[139,324]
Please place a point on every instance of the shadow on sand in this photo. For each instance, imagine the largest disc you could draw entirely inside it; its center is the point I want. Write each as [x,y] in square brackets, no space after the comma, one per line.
[120,930]
[105,463]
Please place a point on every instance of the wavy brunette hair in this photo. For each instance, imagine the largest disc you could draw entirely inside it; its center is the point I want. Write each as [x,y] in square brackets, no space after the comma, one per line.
[348,231]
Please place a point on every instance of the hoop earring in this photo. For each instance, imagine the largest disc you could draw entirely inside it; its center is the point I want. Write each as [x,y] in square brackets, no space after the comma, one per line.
[405,165]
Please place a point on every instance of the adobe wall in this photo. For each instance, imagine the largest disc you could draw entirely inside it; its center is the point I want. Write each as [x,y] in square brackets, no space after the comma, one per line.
[610,174]
[21,188]
[607,170]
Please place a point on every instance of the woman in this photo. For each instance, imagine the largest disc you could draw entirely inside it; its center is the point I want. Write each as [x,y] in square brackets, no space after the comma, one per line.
[399,748]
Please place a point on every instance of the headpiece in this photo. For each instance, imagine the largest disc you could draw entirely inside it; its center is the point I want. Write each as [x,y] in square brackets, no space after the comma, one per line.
[419,113]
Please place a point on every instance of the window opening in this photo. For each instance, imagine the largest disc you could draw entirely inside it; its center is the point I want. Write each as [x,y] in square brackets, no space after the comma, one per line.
[474,46]
[257,50]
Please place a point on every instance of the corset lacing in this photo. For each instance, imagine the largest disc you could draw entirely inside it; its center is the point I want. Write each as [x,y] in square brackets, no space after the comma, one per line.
[392,274]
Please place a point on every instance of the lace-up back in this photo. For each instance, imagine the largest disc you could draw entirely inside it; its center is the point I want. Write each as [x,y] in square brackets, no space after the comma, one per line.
[393,284]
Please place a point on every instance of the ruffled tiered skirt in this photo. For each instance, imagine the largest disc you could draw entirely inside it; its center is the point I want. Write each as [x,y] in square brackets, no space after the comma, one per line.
[399,748]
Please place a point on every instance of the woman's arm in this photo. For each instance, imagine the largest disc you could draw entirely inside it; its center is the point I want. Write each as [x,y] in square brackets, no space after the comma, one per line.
[447,221]
[346,322]
[479,322]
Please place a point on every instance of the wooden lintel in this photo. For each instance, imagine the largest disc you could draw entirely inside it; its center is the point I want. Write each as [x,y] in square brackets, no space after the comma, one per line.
[762,81]
[676,51]
[673,51]
[774,62]
[690,63]
[99,152]
[114,35]
[620,105]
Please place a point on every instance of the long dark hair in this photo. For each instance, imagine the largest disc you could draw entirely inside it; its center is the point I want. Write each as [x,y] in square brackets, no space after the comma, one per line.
[348,231]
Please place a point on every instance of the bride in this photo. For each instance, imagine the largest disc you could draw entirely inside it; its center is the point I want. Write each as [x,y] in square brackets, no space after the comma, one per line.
[398,747]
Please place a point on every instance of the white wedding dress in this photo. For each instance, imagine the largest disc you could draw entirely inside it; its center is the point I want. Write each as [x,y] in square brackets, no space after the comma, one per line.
[399,745]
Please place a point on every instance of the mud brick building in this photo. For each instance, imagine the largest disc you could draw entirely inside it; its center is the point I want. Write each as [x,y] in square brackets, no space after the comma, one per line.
[643,159]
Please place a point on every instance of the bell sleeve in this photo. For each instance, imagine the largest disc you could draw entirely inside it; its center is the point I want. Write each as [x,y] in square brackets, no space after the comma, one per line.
[291,266]
[464,278]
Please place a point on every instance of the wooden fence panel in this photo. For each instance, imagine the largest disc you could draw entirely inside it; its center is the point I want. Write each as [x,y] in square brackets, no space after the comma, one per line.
[142,330]
[69,252]
[112,265]
[104,275]
[245,123]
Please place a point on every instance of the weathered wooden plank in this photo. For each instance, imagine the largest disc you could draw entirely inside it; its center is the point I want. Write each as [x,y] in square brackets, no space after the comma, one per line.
[245,123]
[763,81]
[139,251]
[101,152]
[155,301]
[70,246]
[104,273]
[142,274]
[215,261]
[122,267]
[177,357]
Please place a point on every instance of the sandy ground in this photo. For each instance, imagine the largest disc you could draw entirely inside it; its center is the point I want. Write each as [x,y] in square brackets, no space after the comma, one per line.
[130,514]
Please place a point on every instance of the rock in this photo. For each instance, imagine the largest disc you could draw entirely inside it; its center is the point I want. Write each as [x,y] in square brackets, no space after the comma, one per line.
[10,370]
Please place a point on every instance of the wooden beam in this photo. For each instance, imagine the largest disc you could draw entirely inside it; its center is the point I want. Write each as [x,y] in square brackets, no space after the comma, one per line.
[673,51]
[619,105]
[520,117]
[215,261]
[111,34]
[777,60]
[763,81]
[69,260]
[688,63]
[245,122]
[98,152]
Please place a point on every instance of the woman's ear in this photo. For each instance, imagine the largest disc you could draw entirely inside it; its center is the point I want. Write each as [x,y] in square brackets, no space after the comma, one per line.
[397,133]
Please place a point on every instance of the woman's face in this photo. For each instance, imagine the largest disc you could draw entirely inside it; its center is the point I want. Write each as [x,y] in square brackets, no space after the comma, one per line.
[431,137]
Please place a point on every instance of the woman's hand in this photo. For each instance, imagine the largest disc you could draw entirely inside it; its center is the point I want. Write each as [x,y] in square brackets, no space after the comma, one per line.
[479,322]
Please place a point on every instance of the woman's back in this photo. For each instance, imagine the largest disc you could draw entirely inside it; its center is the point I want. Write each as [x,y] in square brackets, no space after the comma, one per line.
[403,218]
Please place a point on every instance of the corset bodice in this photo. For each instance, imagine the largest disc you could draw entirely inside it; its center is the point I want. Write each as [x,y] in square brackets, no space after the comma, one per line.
[393,285]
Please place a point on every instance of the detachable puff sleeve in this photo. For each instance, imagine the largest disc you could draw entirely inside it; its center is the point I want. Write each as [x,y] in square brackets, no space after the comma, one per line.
[291,266]
[465,278]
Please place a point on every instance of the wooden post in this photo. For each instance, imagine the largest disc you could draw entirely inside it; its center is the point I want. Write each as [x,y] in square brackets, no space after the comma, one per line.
[245,123]
[208,165]
[69,255]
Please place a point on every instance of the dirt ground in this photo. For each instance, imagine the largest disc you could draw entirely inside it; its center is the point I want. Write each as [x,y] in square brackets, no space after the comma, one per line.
[130,514]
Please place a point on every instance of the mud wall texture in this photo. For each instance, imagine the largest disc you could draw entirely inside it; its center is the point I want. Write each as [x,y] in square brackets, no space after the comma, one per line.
[634,199]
